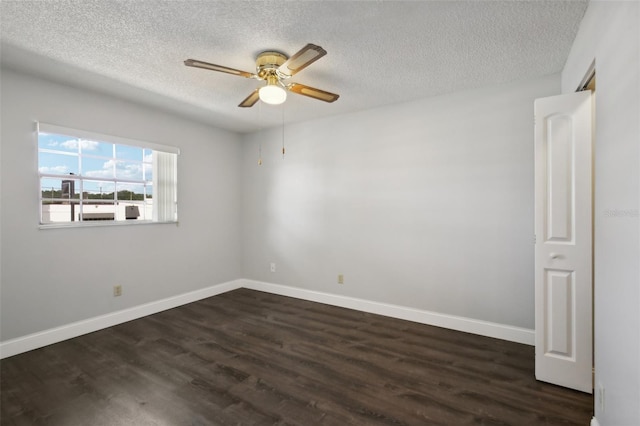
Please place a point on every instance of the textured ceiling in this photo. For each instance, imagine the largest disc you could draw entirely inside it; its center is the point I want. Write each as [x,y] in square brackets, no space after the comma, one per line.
[379,52]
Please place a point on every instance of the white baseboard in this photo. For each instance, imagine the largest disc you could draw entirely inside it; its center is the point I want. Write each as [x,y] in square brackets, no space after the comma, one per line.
[54,335]
[484,328]
[468,325]
[594,422]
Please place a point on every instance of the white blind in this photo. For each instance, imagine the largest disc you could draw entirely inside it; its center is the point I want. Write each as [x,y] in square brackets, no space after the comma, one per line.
[165,180]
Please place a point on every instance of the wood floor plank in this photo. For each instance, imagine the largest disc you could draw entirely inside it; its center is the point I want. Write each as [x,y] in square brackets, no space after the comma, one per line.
[252,358]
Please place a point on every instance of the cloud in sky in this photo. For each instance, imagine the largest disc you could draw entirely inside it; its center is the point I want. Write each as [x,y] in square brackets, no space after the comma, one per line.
[74,143]
[105,172]
[54,169]
[124,170]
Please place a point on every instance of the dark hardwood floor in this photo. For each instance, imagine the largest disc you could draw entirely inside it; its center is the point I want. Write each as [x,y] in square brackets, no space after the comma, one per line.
[252,358]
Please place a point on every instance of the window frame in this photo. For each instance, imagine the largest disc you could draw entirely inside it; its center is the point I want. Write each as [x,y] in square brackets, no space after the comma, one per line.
[110,139]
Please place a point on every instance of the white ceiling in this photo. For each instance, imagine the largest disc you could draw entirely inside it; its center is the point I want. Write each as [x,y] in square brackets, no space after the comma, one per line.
[379,53]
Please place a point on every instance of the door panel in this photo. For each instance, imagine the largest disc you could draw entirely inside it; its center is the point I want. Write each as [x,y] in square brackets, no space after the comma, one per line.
[559,297]
[560,178]
[563,226]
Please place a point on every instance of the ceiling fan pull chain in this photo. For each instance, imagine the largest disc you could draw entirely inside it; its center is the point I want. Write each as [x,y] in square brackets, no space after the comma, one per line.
[283,131]
[260,135]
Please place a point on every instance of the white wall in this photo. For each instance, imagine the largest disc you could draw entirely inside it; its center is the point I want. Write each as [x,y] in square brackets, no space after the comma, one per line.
[53,277]
[427,205]
[610,34]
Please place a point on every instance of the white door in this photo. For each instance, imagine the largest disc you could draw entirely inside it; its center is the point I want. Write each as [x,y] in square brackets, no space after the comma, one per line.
[563,249]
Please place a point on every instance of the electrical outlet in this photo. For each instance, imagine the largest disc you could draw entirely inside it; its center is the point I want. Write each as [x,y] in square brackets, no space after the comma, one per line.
[117,290]
[340,279]
[273,267]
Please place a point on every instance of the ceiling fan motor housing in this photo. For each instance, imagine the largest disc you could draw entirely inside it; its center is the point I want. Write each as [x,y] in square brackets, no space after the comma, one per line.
[267,63]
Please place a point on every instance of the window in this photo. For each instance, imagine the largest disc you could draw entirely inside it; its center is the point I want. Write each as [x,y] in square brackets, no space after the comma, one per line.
[86,178]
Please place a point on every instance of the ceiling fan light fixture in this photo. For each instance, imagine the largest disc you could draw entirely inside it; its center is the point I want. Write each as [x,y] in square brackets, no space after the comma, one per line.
[272,93]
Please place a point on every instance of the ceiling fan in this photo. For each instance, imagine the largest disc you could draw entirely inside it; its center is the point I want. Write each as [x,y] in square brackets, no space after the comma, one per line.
[275,68]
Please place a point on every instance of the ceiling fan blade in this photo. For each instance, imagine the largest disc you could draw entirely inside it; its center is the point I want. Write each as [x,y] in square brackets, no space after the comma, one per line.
[305,57]
[250,100]
[312,92]
[213,67]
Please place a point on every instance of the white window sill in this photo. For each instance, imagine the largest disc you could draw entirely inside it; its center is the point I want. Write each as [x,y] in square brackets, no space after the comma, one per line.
[101,223]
